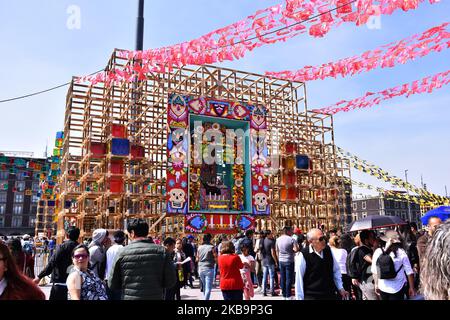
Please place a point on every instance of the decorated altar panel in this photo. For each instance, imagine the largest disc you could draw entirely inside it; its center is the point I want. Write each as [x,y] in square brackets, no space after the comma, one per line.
[217,160]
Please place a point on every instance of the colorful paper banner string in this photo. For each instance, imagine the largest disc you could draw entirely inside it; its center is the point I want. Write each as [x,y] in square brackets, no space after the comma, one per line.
[396,196]
[266,26]
[370,99]
[364,166]
[434,39]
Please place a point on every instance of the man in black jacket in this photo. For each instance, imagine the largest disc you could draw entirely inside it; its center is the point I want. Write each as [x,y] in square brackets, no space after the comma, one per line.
[58,264]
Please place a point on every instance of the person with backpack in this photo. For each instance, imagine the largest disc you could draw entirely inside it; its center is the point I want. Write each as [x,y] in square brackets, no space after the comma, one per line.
[389,266]
[359,262]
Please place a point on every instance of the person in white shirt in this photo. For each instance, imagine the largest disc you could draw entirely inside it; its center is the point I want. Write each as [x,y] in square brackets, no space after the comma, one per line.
[393,288]
[341,257]
[119,239]
[317,272]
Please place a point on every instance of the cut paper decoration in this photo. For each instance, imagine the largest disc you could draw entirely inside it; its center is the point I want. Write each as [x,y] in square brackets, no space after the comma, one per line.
[370,99]
[432,40]
[270,25]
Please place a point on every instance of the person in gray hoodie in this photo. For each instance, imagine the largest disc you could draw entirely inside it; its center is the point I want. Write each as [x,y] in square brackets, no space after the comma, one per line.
[97,252]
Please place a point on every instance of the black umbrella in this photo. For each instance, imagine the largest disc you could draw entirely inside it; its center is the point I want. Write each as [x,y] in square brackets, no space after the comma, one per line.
[375,222]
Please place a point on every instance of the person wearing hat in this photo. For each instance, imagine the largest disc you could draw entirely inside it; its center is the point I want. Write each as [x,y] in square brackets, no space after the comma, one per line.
[390,280]
[97,252]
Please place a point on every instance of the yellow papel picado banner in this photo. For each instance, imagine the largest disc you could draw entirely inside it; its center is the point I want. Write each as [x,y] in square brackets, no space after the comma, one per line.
[373,170]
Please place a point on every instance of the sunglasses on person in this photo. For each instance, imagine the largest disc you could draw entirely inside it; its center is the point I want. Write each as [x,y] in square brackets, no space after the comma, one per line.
[80,256]
[322,238]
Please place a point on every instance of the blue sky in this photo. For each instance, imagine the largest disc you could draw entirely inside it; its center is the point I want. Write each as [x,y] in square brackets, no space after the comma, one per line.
[39,51]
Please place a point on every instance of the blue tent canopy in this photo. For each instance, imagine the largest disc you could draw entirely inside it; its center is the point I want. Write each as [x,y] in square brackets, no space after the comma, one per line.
[443,213]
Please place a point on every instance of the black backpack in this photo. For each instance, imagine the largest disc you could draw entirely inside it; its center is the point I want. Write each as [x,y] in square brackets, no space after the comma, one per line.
[354,266]
[386,267]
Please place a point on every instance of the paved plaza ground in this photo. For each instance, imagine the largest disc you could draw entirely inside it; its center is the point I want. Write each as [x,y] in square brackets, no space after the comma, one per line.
[191,294]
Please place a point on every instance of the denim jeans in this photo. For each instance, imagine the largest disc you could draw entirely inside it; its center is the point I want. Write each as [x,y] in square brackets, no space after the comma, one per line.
[206,276]
[271,270]
[286,277]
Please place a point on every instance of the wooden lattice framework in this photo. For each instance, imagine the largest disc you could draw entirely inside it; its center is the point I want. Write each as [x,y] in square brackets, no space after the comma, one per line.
[142,108]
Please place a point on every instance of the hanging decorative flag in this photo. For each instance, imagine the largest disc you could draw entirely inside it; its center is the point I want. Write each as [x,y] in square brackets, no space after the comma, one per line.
[270,25]
[434,39]
[370,99]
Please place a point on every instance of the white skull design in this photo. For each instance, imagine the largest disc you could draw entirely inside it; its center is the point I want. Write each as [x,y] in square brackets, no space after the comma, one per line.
[177,198]
[260,201]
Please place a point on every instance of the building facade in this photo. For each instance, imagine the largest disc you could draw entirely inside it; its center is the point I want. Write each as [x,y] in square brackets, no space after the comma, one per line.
[379,205]
[19,194]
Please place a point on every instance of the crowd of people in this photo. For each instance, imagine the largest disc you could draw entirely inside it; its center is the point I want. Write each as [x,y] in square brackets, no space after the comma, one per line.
[394,264]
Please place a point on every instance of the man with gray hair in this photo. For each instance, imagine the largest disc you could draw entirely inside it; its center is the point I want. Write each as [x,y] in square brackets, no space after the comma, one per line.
[317,273]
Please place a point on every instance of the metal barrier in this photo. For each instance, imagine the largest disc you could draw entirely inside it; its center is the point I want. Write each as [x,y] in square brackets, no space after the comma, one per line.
[40,262]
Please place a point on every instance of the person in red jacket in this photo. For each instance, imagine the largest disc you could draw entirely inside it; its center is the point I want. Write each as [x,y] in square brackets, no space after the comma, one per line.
[14,285]
[230,265]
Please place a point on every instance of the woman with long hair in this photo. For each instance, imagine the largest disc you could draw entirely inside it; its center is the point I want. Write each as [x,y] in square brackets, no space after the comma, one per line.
[14,285]
[24,261]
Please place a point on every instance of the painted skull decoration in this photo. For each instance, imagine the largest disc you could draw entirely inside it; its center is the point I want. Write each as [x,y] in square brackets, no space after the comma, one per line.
[177,198]
[260,201]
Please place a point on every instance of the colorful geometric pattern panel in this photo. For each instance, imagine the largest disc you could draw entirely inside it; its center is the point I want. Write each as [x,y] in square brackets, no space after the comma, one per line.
[218,223]
[177,151]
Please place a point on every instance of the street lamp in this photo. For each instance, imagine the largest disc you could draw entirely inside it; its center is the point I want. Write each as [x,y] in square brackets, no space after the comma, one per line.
[407,191]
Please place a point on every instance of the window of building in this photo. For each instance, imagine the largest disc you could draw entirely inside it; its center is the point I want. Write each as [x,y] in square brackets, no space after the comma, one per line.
[2,208]
[16,222]
[32,223]
[34,199]
[355,206]
[403,205]
[4,175]
[2,222]
[364,214]
[17,209]
[363,205]
[20,175]
[395,204]
[35,187]
[18,197]
[3,196]
[20,186]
